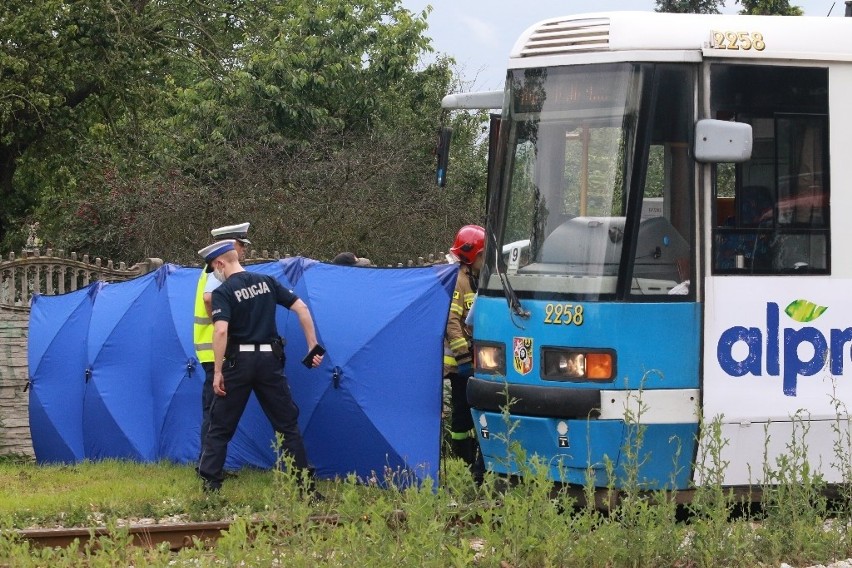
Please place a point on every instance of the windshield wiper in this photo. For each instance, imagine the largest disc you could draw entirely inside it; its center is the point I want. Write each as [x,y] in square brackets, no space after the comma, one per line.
[515,307]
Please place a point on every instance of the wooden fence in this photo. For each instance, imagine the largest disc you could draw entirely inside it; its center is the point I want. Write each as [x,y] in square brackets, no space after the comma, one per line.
[32,273]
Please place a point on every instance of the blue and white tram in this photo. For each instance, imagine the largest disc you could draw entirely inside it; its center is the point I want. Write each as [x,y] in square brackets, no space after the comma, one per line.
[668,246]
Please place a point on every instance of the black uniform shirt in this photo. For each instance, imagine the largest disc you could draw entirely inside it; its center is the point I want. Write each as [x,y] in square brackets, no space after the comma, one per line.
[246,300]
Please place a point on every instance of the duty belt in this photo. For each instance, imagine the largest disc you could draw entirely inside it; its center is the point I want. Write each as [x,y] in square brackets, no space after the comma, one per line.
[255,347]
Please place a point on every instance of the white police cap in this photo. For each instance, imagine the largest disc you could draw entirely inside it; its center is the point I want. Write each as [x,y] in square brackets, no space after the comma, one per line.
[236,232]
[213,251]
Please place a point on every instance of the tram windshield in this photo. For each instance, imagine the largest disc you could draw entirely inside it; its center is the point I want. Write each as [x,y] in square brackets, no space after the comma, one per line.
[594,190]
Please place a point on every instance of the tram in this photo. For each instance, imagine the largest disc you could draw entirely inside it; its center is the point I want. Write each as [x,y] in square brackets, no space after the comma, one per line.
[668,249]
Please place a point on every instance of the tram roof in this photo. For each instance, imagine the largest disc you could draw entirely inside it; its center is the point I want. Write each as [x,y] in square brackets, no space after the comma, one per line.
[571,39]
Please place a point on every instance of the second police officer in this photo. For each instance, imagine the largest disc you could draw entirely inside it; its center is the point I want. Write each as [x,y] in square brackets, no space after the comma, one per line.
[202,322]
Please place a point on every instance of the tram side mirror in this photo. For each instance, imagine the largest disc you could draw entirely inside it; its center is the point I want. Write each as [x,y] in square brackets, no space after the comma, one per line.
[722,141]
[442,150]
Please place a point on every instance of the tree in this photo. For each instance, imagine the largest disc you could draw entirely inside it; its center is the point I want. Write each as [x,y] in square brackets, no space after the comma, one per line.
[750,7]
[689,6]
[54,56]
[314,120]
[769,8]
[69,67]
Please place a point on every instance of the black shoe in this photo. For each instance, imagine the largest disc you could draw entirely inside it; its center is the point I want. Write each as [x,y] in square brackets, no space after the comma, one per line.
[316,497]
[211,488]
[477,469]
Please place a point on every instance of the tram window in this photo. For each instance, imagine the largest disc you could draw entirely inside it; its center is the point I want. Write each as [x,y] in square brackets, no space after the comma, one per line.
[663,259]
[771,213]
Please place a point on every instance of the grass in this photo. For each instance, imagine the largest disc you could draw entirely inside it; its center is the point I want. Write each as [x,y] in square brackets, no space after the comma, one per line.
[530,523]
[90,493]
[451,523]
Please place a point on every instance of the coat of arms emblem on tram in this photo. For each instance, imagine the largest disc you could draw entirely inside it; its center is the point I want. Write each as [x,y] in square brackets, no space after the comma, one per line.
[522,354]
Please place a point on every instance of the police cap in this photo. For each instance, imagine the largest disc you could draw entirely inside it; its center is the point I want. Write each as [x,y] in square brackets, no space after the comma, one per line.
[236,232]
[213,251]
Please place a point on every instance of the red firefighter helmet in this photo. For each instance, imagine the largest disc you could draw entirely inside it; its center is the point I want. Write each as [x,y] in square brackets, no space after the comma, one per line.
[469,242]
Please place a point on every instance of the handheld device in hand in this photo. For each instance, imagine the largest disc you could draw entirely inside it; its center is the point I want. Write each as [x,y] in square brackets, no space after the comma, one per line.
[308,361]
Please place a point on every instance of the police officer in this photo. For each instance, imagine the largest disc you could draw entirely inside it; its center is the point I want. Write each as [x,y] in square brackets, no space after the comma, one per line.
[248,357]
[468,248]
[203,324]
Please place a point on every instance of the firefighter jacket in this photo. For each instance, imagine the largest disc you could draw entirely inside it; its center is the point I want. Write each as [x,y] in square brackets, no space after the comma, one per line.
[458,335]
[202,328]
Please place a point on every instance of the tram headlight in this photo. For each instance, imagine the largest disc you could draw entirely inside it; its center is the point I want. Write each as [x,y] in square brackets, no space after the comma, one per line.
[489,358]
[578,364]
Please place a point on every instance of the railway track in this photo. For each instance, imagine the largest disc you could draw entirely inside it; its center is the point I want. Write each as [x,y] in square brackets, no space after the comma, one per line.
[182,535]
[144,535]
[177,535]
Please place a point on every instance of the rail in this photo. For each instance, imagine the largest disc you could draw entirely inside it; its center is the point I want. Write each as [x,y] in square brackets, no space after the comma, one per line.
[177,535]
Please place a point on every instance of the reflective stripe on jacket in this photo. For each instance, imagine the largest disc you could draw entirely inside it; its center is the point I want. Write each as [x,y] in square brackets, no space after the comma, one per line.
[458,338]
[202,327]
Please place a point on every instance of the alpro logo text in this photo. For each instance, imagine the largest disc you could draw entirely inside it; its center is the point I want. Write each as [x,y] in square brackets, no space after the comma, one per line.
[779,348]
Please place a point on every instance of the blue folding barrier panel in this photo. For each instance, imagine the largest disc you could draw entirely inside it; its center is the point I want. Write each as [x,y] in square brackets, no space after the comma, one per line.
[114,373]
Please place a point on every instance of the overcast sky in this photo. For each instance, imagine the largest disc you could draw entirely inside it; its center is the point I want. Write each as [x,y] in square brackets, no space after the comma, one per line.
[480,33]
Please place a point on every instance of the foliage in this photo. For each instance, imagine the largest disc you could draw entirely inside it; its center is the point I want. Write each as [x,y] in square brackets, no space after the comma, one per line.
[769,8]
[313,120]
[71,71]
[689,6]
[751,7]
[313,201]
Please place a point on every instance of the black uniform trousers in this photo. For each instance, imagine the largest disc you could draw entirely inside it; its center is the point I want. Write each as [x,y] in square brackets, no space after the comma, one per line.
[260,372]
[460,417]
[461,422]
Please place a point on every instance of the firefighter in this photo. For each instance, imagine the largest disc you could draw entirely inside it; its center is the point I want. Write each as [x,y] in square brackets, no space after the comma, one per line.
[468,248]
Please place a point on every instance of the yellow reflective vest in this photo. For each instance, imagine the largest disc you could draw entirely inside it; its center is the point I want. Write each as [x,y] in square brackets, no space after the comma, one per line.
[202,328]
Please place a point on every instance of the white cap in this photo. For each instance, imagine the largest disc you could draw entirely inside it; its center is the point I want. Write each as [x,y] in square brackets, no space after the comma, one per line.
[236,232]
[214,251]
